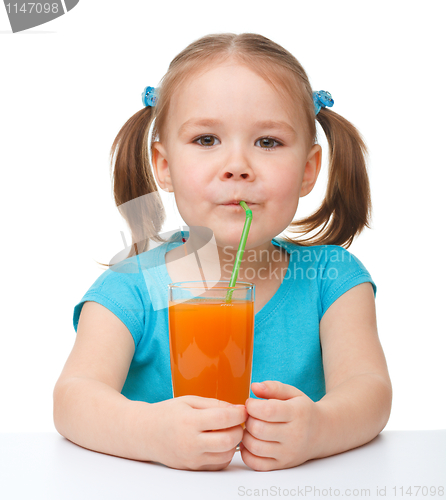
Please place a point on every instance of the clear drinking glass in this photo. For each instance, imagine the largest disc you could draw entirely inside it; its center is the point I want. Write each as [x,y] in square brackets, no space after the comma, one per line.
[211,340]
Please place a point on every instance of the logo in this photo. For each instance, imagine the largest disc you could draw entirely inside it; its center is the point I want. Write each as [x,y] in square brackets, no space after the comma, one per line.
[198,258]
[26,15]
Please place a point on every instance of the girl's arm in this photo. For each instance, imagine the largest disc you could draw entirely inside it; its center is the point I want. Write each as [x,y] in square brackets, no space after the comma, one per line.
[90,410]
[358,397]
[287,428]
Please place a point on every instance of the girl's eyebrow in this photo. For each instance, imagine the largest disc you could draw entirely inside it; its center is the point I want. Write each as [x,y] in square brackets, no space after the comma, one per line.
[276,125]
[198,122]
[212,122]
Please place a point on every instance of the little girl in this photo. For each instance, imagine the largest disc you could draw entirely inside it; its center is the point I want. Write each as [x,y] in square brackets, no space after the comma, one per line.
[233,119]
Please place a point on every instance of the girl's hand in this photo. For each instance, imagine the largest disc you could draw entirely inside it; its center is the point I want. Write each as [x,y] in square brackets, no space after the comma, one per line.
[196,433]
[279,432]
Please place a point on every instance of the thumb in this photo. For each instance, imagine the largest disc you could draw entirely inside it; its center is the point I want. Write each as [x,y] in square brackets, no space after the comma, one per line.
[273,389]
[200,403]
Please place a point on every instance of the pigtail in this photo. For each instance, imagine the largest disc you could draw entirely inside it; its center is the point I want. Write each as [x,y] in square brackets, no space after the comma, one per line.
[133,178]
[346,209]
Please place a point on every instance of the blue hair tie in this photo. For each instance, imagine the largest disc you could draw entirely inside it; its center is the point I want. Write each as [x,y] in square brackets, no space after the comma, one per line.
[322,99]
[149,96]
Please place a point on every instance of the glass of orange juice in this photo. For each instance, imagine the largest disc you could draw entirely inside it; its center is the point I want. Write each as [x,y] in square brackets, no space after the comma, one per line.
[211,339]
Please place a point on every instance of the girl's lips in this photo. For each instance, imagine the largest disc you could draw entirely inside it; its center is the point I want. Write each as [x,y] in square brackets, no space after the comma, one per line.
[238,204]
[237,208]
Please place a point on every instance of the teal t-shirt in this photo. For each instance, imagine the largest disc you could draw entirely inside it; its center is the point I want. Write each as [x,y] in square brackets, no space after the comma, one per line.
[286,330]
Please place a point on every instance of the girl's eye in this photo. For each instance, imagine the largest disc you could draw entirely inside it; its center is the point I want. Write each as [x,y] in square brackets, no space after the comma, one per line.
[268,143]
[206,140]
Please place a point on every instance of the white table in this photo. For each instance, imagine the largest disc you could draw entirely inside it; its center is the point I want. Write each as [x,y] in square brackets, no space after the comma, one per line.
[47,466]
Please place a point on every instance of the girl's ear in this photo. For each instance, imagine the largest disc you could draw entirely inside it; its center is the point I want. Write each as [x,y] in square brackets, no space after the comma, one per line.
[312,169]
[161,167]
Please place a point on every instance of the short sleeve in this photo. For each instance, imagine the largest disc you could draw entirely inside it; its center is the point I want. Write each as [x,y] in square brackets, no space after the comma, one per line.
[342,272]
[121,293]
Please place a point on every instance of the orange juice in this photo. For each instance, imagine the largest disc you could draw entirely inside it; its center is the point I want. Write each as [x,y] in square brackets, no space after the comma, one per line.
[211,344]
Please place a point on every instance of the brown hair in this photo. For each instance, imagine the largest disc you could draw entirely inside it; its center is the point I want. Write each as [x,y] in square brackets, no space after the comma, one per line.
[346,208]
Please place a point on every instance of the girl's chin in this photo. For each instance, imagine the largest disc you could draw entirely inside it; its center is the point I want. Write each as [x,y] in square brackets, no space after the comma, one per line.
[227,237]
[229,244]
[229,240]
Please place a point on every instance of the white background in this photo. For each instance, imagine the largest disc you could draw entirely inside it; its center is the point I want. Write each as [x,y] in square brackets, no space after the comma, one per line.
[66,89]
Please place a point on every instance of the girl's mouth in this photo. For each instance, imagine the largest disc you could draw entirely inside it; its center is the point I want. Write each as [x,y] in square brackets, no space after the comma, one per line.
[237,204]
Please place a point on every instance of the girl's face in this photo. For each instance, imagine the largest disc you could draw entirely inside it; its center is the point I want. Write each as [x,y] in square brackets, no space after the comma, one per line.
[231,137]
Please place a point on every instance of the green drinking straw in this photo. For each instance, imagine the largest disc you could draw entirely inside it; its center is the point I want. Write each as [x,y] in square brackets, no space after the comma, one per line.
[241,249]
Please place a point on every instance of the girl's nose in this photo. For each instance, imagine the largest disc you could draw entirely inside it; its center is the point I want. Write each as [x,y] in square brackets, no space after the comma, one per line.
[229,174]
[237,167]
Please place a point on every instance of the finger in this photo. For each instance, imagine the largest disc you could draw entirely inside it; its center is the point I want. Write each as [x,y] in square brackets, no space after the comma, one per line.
[266,431]
[260,464]
[213,467]
[211,419]
[269,410]
[221,440]
[260,448]
[273,389]
[216,461]
[199,403]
